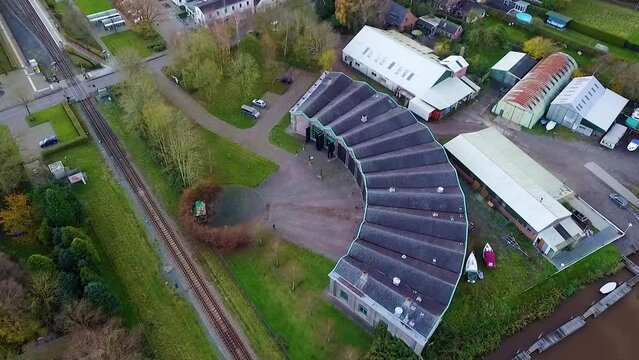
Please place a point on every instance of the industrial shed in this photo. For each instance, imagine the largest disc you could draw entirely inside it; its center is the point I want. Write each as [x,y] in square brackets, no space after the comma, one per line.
[404,264]
[586,106]
[411,71]
[528,100]
[512,67]
[517,186]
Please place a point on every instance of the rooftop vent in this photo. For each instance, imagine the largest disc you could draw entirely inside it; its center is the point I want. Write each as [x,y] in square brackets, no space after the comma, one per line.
[364,118]
[396,281]
[440,190]
[398,311]
[435,214]
[391,189]
[403,256]
[418,299]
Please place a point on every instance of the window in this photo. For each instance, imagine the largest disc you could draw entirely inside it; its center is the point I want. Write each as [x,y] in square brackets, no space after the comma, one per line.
[232,7]
[240,5]
[362,310]
[218,12]
[343,295]
[247,3]
[372,73]
[356,63]
[226,10]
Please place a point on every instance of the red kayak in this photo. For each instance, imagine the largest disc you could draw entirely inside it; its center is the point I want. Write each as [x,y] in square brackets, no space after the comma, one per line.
[489,256]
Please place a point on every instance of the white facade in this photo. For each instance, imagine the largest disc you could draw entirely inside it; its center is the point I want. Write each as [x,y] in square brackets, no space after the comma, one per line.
[181,2]
[586,98]
[204,12]
[408,68]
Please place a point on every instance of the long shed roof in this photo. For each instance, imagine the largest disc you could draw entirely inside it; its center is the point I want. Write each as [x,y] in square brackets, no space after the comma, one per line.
[537,84]
[413,232]
[524,185]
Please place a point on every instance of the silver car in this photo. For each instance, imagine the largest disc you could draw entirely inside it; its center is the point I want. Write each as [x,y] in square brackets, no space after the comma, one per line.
[619,200]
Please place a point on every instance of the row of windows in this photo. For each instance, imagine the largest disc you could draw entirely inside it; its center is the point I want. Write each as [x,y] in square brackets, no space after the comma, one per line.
[226,10]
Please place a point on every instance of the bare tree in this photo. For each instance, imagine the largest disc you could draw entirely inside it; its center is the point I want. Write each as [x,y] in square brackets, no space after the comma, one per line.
[275,243]
[349,352]
[367,10]
[108,342]
[294,273]
[11,170]
[184,151]
[44,296]
[12,296]
[131,62]
[244,74]
[24,96]
[142,10]
[326,330]
[79,316]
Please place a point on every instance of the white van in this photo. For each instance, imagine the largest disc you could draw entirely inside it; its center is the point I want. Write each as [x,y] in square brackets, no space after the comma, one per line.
[613,136]
[250,111]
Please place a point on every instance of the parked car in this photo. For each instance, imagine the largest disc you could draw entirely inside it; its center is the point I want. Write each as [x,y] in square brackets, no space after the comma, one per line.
[48,141]
[250,111]
[259,103]
[285,79]
[619,200]
[580,218]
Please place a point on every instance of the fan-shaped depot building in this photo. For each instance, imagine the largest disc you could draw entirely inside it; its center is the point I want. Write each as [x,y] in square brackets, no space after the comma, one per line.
[406,258]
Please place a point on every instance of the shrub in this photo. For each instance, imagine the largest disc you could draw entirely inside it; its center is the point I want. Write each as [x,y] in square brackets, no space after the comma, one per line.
[87,275]
[103,297]
[45,233]
[40,263]
[68,287]
[68,234]
[387,347]
[597,33]
[59,205]
[84,253]
[66,261]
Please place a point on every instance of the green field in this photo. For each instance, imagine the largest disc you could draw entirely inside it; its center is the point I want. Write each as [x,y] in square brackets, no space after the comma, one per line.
[170,324]
[301,317]
[606,16]
[225,162]
[279,137]
[59,120]
[118,41]
[89,7]
[519,290]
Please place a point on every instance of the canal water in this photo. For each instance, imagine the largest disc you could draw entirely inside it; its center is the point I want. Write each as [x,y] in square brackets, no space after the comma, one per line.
[611,336]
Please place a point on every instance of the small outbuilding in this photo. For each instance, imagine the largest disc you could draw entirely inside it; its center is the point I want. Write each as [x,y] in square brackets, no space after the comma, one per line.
[586,106]
[512,67]
[527,101]
[557,20]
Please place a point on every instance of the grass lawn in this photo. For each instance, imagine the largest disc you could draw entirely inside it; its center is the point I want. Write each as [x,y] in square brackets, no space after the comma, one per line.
[606,16]
[299,317]
[89,7]
[118,41]
[520,290]
[59,120]
[559,131]
[225,161]
[170,324]
[278,136]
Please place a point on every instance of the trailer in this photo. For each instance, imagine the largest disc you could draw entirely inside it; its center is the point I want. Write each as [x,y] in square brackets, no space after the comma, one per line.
[612,137]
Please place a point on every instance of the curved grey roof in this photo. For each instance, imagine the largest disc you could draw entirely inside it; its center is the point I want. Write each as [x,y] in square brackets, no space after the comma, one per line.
[414,233]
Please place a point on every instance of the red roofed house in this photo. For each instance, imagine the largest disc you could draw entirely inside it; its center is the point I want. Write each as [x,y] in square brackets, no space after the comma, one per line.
[529,99]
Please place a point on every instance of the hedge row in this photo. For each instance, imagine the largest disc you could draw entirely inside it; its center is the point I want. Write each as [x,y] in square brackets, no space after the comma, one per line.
[597,33]
[537,28]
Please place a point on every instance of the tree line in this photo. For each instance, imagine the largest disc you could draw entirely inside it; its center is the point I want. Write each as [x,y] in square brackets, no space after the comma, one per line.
[61,291]
[171,136]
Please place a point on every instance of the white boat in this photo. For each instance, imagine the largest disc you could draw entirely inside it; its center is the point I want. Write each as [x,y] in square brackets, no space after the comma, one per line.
[608,287]
[633,145]
[551,125]
[489,256]
[471,268]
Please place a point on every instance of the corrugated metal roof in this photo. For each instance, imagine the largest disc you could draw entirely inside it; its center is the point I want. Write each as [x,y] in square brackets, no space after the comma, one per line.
[533,88]
[512,175]
[606,110]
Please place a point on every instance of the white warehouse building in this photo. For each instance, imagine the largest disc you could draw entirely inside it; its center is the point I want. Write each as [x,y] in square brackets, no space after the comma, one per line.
[206,11]
[431,88]
[586,106]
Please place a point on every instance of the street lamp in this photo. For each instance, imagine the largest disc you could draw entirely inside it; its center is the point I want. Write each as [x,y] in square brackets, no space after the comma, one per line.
[628,228]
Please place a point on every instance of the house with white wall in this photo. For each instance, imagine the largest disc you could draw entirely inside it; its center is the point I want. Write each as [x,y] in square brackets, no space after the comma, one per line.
[206,11]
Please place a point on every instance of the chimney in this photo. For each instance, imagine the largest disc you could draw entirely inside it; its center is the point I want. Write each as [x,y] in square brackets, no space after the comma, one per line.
[462,51]
[364,118]
[396,281]
[398,311]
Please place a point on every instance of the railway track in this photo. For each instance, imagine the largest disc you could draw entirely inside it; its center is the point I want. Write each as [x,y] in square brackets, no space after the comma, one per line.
[233,343]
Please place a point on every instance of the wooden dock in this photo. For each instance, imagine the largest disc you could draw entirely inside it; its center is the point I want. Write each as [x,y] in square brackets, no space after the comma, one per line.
[578,322]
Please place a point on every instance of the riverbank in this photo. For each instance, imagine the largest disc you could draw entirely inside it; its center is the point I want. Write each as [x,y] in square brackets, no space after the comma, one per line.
[607,336]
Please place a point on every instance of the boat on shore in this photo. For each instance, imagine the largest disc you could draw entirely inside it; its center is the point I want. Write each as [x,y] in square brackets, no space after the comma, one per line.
[489,256]
[608,288]
[471,268]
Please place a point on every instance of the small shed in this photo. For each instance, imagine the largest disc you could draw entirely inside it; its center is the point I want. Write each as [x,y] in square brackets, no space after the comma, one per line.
[199,210]
[512,67]
[557,20]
